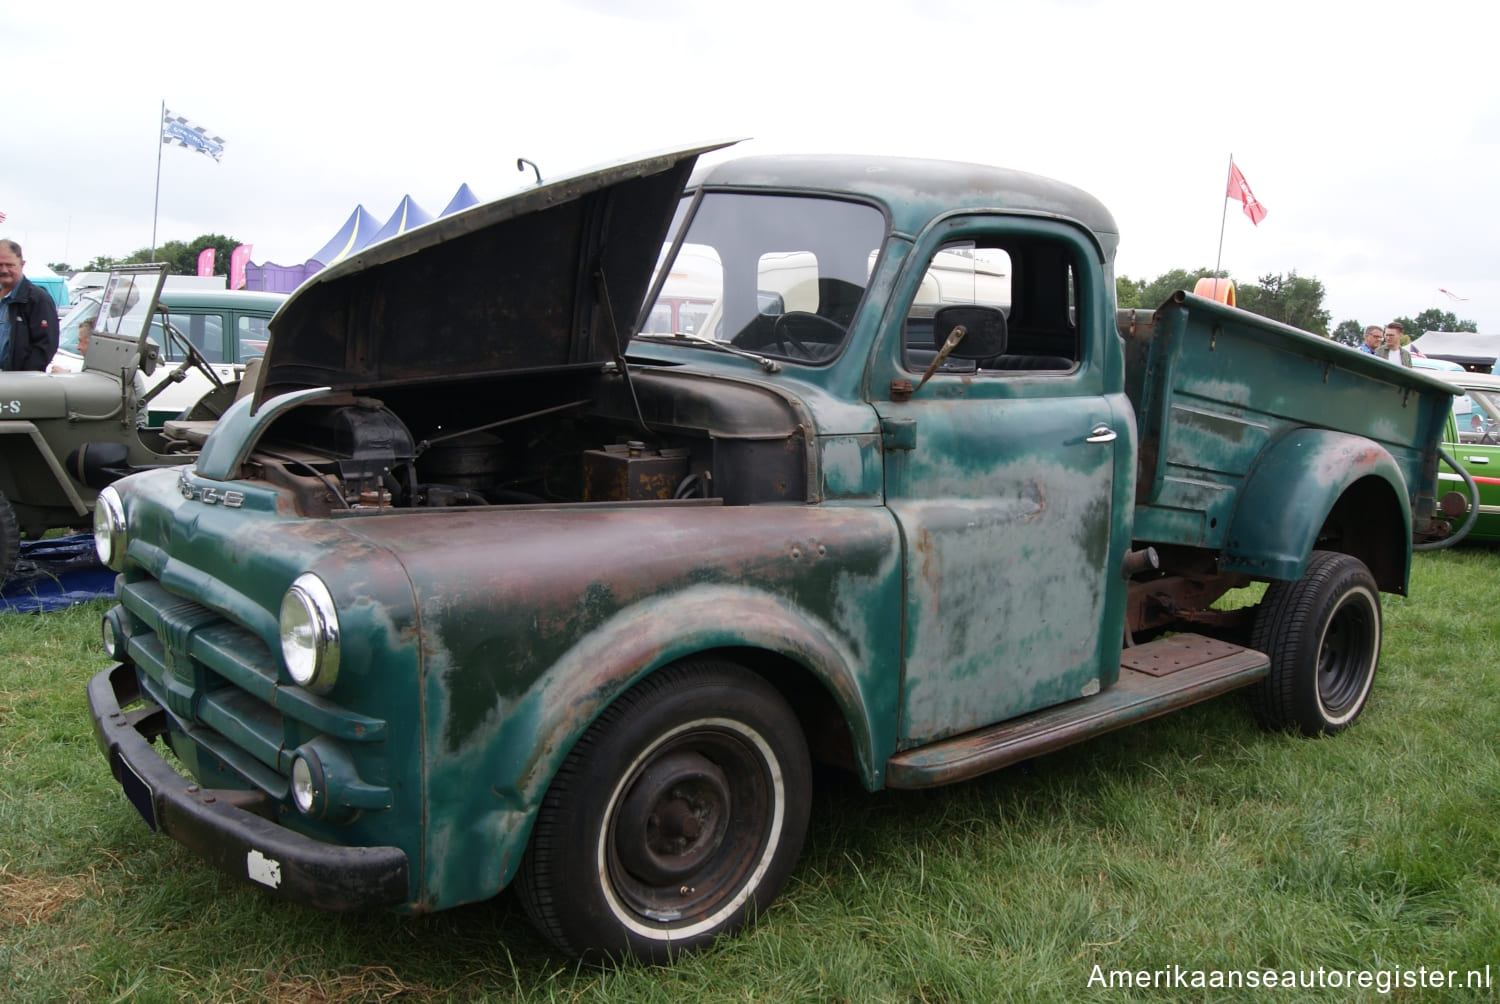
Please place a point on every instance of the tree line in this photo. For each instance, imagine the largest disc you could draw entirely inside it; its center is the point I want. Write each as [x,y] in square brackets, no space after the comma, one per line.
[181,257]
[1291,299]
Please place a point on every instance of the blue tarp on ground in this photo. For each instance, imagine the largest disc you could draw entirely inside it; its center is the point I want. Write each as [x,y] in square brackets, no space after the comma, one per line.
[54,573]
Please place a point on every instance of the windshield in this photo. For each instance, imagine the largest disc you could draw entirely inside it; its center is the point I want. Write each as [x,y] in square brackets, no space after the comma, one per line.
[777,275]
[1478,415]
[67,334]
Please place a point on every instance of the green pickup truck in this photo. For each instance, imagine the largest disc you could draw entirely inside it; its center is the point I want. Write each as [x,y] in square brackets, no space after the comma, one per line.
[492,582]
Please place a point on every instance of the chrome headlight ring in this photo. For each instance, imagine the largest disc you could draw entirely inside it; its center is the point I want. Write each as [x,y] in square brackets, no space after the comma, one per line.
[310,634]
[109,529]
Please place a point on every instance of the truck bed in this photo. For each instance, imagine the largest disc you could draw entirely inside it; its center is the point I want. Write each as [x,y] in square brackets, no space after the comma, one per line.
[1214,386]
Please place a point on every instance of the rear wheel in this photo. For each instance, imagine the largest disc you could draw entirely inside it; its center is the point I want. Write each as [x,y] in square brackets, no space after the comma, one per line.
[679,813]
[1322,633]
[10,538]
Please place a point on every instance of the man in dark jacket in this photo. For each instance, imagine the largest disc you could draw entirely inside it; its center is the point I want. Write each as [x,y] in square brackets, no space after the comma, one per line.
[28,317]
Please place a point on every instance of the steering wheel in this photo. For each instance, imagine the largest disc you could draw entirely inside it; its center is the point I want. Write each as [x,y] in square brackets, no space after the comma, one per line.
[816,327]
[194,354]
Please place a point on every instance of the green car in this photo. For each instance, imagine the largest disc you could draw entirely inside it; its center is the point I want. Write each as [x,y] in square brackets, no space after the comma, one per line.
[1475,444]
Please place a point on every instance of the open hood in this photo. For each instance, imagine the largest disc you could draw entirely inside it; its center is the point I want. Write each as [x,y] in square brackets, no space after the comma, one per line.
[539,281]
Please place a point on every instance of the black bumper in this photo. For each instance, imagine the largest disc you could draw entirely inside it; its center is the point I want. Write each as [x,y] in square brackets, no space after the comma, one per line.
[223,826]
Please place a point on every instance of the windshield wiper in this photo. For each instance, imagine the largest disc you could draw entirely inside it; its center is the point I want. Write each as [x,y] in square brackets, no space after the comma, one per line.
[769,365]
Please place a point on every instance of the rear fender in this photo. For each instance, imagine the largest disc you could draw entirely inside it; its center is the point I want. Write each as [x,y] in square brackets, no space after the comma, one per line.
[1320,488]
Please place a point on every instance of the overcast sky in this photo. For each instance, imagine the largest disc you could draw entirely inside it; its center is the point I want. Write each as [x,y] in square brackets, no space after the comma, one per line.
[1370,131]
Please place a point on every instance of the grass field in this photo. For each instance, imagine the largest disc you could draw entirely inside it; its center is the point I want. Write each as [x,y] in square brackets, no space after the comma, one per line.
[1194,841]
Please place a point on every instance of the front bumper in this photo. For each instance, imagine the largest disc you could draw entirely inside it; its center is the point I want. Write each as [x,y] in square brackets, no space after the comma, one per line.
[230,828]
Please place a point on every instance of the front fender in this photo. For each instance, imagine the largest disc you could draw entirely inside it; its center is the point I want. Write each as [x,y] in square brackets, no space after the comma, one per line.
[662,629]
[1295,485]
[534,620]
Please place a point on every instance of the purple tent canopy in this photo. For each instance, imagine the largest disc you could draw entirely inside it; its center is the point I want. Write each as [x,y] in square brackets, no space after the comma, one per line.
[462,199]
[407,216]
[359,231]
[274,278]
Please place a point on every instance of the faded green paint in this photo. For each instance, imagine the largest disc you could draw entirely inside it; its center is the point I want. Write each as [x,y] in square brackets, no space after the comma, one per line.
[1214,387]
[955,562]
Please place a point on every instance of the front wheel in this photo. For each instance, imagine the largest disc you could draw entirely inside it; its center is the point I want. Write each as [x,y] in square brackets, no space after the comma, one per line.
[679,814]
[1322,633]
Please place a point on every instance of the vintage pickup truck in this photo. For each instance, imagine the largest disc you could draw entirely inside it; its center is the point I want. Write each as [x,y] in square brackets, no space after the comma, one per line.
[477,588]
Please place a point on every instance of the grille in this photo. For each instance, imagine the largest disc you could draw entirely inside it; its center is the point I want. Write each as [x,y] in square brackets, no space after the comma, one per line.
[222,686]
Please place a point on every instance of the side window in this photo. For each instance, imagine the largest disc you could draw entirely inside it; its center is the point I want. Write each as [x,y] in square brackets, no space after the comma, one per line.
[251,334]
[205,331]
[1030,283]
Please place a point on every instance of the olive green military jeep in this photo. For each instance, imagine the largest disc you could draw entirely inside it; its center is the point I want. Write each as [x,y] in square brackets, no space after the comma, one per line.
[64,436]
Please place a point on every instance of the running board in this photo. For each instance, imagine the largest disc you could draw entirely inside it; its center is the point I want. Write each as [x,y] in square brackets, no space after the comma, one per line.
[1155,678]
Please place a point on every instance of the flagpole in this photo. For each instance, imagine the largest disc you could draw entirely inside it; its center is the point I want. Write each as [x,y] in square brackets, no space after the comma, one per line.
[1223,216]
[156,206]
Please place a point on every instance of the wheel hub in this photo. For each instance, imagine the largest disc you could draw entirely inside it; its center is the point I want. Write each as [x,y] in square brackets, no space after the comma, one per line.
[673,819]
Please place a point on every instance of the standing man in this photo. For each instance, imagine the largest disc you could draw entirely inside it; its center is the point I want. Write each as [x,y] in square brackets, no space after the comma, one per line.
[28,317]
[1373,337]
[1393,349]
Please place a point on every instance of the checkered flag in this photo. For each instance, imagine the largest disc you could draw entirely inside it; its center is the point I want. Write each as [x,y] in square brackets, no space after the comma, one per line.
[176,129]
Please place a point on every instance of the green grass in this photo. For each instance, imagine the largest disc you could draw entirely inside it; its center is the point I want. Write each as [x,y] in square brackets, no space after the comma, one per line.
[1195,840]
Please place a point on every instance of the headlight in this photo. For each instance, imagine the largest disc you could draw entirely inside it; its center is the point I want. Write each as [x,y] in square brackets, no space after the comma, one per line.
[308,788]
[310,634]
[109,529]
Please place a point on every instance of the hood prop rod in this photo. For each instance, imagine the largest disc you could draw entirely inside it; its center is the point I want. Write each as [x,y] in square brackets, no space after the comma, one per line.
[619,353]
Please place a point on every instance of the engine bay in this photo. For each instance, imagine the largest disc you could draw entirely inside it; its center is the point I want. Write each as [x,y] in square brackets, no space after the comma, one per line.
[577,442]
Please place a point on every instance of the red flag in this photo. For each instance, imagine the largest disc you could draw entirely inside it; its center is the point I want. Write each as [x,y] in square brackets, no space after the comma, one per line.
[237,259]
[1239,189]
[206,261]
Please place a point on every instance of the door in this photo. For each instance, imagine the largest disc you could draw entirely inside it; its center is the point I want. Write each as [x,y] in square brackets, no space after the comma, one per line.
[1009,475]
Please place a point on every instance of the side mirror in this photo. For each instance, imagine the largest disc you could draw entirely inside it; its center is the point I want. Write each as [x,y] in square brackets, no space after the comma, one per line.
[984,330]
[967,331]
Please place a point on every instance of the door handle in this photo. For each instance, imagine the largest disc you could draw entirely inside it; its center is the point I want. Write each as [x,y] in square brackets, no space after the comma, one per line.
[1101,433]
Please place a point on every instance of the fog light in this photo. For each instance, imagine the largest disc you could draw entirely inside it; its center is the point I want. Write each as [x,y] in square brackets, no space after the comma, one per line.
[309,790]
[310,634]
[326,785]
[109,529]
[113,635]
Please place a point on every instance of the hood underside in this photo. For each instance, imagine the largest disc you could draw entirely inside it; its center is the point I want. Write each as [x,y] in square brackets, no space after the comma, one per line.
[546,279]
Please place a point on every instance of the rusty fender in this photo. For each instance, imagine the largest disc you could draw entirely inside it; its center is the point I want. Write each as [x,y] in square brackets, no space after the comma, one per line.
[534,620]
[1293,487]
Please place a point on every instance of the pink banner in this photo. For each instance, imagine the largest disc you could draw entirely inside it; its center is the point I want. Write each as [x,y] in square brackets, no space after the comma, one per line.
[206,261]
[237,261]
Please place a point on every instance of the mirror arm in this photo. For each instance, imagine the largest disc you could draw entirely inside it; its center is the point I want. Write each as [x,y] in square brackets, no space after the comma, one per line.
[954,337]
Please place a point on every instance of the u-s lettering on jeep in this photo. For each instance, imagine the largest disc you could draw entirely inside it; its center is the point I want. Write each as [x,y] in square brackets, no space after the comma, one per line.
[479,589]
